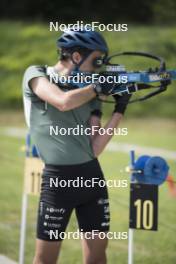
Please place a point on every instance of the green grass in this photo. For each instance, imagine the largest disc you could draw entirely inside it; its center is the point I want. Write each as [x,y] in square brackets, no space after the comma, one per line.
[150,247]
[28,43]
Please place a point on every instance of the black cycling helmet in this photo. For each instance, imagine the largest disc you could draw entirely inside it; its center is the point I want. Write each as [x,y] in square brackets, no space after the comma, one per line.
[86,38]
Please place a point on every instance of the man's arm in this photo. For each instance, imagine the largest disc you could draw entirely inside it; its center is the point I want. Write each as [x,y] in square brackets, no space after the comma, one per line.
[95,121]
[63,101]
[99,142]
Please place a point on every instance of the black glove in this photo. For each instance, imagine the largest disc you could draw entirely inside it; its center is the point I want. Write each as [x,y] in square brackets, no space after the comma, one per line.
[121,102]
[105,88]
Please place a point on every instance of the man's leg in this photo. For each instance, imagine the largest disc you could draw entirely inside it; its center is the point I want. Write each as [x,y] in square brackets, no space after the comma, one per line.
[52,222]
[94,250]
[94,217]
[46,252]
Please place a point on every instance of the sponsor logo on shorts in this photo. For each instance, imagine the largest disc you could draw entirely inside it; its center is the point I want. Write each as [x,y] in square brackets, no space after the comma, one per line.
[55,210]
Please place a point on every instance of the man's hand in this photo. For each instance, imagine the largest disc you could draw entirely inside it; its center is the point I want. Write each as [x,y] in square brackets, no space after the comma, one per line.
[121,103]
[105,88]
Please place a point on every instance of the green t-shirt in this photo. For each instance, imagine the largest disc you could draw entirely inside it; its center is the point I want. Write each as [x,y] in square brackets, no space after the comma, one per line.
[48,125]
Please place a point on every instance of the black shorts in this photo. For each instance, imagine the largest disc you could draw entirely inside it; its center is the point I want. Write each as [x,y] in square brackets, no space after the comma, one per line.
[64,188]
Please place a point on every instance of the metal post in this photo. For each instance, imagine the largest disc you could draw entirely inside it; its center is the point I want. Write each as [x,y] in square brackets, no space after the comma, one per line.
[130,246]
[24,210]
[131,231]
[23,228]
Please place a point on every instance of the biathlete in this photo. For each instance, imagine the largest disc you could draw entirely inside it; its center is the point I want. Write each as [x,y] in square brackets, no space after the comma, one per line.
[67,157]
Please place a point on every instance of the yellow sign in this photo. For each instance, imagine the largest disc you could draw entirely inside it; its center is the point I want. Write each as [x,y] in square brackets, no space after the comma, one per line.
[33,172]
[143,206]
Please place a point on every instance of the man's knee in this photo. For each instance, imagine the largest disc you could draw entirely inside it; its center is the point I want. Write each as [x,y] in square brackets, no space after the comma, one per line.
[41,260]
[93,259]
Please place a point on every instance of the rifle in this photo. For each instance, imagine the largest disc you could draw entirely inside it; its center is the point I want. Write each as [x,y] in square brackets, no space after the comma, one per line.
[156,79]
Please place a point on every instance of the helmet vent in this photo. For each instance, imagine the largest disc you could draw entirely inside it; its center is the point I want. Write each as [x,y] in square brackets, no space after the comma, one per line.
[82,39]
[95,40]
[62,40]
[69,37]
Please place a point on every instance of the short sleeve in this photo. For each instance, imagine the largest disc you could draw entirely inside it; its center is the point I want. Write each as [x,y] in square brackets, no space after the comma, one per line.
[30,73]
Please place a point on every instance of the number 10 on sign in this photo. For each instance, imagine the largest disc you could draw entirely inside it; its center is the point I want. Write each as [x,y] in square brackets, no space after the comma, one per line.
[143,206]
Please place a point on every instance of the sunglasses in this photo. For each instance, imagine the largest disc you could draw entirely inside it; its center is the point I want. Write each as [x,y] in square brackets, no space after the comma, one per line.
[98,62]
